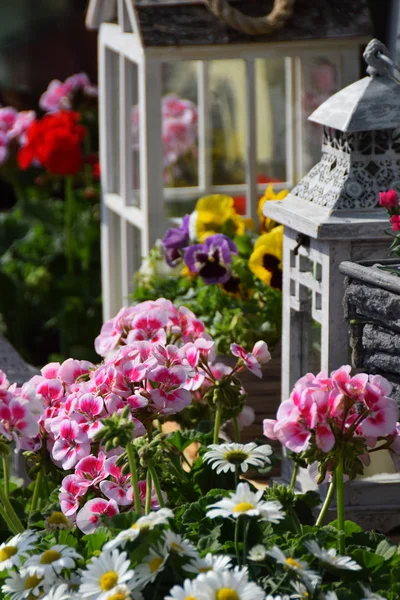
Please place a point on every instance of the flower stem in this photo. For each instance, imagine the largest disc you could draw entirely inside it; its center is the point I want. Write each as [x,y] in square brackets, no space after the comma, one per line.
[36,492]
[294,477]
[340,503]
[134,476]
[217,424]
[156,482]
[236,429]
[68,219]
[148,492]
[326,504]
[245,536]
[6,476]
[9,514]
[237,541]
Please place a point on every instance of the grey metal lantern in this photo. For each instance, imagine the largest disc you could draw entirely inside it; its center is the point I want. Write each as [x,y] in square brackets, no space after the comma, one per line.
[252,92]
[333,215]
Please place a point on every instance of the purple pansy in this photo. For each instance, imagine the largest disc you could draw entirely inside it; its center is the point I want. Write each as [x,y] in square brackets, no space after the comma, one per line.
[212,260]
[175,240]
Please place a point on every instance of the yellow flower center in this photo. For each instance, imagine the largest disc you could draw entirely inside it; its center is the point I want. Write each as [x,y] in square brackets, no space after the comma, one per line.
[118,596]
[108,581]
[243,507]
[293,563]
[227,594]
[7,552]
[176,547]
[57,518]
[205,569]
[32,581]
[155,563]
[49,557]
[235,457]
[190,598]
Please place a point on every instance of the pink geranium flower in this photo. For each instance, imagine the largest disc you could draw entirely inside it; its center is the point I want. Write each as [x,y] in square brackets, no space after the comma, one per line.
[16,420]
[90,516]
[71,445]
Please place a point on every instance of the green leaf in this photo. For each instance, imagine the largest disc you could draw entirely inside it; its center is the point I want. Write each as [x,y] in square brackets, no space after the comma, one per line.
[386,549]
[367,559]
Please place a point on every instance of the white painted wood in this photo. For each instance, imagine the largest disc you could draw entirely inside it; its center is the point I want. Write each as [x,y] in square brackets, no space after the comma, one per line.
[125,129]
[290,109]
[127,260]
[127,44]
[132,214]
[98,12]
[251,141]
[204,136]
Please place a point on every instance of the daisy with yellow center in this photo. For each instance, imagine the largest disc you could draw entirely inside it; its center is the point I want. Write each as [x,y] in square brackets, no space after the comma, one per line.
[266,223]
[245,502]
[298,566]
[266,259]
[121,592]
[226,457]
[210,562]
[15,549]
[51,562]
[57,521]
[59,592]
[185,592]
[21,586]
[105,574]
[151,565]
[147,522]
[215,214]
[227,585]
[176,543]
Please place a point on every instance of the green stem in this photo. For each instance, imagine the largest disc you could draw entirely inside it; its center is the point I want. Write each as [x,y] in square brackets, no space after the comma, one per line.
[156,482]
[294,476]
[278,585]
[148,492]
[217,424]
[36,492]
[6,476]
[134,476]
[10,524]
[9,514]
[236,475]
[340,503]
[326,504]
[236,429]
[68,220]
[237,541]
[245,536]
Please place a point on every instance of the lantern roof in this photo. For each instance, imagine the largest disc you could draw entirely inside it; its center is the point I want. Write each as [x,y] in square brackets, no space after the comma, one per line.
[368,104]
[190,22]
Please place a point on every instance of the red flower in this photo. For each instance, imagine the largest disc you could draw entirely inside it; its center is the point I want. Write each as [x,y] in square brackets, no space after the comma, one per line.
[395,221]
[389,199]
[55,142]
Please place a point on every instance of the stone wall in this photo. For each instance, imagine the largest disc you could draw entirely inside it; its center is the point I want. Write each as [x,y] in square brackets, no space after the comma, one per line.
[373,314]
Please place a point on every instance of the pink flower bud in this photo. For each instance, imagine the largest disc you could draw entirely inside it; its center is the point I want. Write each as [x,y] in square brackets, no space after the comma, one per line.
[389,199]
[395,221]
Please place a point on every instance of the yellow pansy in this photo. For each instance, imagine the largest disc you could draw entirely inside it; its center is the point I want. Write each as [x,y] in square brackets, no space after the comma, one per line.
[266,223]
[266,260]
[213,212]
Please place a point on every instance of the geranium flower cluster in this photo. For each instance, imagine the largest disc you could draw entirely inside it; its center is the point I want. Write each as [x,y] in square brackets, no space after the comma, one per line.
[179,128]
[340,411]
[60,95]
[13,127]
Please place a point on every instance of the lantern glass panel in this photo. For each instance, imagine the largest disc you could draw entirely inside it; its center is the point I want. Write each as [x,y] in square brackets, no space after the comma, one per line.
[271,119]
[320,80]
[133,83]
[113,121]
[228,116]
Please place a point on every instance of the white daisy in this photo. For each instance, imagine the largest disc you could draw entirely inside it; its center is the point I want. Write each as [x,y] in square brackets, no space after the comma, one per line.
[182,592]
[16,548]
[368,595]
[302,592]
[154,518]
[245,502]
[298,566]
[210,562]
[286,597]
[151,566]
[226,457]
[227,585]
[60,592]
[176,543]
[331,596]
[51,562]
[257,553]
[104,574]
[21,586]
[122,592]
[330,557]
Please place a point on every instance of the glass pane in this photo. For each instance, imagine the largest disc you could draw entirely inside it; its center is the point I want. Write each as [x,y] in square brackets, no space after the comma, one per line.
[112,129]
[319,81]
[134,83]
[228,113]
[180,124]
[271,119]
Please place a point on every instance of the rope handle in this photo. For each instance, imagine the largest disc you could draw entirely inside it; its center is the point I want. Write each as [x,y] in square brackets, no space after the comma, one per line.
[276,19]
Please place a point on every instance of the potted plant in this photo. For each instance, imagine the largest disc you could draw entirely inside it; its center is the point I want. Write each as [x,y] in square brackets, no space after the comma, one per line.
[227,271]
[372,305]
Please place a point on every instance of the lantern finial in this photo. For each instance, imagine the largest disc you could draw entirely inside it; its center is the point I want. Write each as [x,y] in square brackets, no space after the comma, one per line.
[373,56]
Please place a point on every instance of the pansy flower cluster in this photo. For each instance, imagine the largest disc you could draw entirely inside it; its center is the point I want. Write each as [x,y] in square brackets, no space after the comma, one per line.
[327,415]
